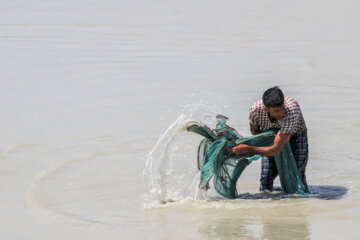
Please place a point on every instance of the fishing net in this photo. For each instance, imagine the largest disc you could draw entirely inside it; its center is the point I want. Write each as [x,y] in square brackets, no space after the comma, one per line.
[215,161]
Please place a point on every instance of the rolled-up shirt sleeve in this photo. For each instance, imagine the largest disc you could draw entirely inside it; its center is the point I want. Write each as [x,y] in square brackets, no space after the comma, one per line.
[253,116]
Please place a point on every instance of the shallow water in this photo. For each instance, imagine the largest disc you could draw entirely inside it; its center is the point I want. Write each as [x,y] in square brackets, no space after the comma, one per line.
[94,96]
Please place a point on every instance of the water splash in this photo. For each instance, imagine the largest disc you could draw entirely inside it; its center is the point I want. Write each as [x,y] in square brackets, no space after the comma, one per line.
[171,172]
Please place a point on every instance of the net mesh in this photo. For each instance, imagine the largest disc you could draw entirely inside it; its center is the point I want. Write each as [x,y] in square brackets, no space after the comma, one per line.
[215,161]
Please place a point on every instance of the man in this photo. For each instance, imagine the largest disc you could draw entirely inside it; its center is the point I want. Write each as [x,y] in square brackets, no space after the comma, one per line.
[275,111]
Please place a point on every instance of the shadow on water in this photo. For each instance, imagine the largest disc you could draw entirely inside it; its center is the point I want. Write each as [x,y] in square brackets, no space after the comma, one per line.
[320,192]
[328,192]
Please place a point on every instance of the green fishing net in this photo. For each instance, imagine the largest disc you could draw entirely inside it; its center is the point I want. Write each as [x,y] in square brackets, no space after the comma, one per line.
[215,161]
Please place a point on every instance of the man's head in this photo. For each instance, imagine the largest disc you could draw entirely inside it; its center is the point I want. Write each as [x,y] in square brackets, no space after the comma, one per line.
[273,99]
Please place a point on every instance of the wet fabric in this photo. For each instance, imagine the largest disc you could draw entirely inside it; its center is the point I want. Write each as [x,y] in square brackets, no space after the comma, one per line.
[215,161]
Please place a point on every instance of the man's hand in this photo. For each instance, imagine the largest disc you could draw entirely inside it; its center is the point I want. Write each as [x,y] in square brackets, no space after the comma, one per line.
[239,149]
[280,140]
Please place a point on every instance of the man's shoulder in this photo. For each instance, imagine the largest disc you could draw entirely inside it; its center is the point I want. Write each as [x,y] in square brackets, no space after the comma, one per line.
[288,99]
[291,104]
[257,106]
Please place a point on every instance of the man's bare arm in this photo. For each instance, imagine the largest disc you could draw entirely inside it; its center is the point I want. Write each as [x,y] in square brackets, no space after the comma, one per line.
[254,129]
[280,140]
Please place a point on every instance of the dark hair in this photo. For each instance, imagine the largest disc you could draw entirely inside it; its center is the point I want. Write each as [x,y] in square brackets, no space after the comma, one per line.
[273,97]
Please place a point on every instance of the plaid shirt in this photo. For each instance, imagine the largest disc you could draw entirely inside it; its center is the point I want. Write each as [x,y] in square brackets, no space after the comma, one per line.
[292,123]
